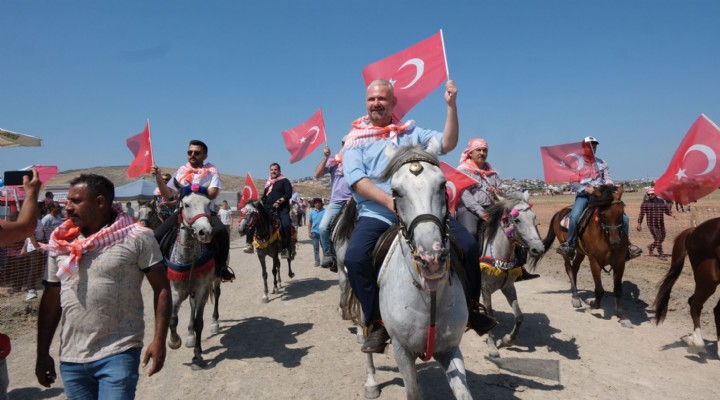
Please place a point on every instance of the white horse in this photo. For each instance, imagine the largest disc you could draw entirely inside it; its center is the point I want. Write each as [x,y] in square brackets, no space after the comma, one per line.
[421,301]
[511,224]
[191,271]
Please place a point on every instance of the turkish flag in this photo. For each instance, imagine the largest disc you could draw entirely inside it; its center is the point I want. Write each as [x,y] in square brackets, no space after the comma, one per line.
[693,171]
[561,163]
[456,183]
[305,138]
[249,193]
[414,72]
[141,148]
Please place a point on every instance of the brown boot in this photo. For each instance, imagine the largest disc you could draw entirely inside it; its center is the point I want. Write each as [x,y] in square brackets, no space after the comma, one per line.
[526,275]
[479,321]
[376,338]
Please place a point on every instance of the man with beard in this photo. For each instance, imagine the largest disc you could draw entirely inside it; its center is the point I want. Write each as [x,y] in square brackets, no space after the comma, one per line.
[97,260]
[364,161]
[276,195]
[194,174]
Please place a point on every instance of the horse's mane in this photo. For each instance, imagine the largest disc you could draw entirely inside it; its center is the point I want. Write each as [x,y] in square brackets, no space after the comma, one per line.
[262,211]
[404,155]
[497,209]
[605,198]
[346,223]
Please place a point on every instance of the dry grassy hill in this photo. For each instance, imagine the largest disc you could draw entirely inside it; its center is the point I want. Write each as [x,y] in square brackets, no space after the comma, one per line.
[305,187]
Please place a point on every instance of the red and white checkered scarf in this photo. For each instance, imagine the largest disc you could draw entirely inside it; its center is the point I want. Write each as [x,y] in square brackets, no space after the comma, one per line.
[192,175]
[64,240]
[270,182]
[364,132]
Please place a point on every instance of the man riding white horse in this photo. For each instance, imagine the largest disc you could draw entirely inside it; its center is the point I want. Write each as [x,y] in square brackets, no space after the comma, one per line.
[475,199]
[593,174]
[364,160]
[197,172]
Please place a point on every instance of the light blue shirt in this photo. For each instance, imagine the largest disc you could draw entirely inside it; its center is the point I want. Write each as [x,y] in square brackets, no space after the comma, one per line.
[368,160]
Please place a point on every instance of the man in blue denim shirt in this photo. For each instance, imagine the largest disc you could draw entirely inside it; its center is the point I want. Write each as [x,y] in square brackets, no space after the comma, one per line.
[364,160]
[593,173]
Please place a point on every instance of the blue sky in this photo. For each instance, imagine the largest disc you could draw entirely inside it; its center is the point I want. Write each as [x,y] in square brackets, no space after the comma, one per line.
[85,75]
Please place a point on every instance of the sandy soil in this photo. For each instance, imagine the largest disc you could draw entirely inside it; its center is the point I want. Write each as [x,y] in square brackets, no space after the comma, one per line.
[296,346]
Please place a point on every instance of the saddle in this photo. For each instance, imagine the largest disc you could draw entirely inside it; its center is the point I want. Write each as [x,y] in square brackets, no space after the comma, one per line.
[582,223]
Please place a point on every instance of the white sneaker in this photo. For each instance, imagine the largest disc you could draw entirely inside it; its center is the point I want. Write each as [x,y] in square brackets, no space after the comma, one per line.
[31,295]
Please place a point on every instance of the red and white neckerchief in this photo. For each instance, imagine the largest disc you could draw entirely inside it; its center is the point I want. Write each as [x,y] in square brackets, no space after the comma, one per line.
[364,132]
[64,240]
[190,175]
[485,172]
[270,182]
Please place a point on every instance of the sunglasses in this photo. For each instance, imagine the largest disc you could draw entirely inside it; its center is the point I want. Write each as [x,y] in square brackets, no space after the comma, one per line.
[194,153]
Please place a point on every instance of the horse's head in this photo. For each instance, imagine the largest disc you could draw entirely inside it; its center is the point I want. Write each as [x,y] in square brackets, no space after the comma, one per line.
[248,218]
[418,189]
[518,222]
[147,214]
[195,211]
[610,210]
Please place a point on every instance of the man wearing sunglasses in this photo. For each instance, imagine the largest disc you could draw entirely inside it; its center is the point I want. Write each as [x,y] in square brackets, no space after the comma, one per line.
[198,172]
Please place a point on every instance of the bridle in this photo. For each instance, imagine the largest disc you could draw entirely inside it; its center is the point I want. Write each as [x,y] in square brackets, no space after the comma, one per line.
[606,228]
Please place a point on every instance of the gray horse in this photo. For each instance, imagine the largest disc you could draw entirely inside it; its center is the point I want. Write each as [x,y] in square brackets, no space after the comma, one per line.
[191,271]
[511,224]
[421,300]
[148,215]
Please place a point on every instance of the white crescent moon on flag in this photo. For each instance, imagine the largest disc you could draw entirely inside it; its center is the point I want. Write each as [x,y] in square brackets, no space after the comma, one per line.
[580,161]
[708,152]
[419,70]
[249,189]
[453,191]
[317,131]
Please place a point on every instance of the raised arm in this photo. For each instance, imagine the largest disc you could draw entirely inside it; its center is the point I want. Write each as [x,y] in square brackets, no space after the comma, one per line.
[452,126]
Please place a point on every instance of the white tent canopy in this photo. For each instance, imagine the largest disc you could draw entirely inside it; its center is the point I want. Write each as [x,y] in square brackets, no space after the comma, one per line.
[12,139]
[139,190]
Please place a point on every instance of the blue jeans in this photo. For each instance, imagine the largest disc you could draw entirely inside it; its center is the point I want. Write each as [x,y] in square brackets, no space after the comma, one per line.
[581,202]
[113,378]
[316,246]
[331,211]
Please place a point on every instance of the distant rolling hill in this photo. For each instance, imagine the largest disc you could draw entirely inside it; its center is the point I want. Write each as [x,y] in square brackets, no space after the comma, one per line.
[306,187]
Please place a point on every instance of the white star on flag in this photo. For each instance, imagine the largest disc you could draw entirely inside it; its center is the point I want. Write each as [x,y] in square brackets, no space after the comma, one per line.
[681,174]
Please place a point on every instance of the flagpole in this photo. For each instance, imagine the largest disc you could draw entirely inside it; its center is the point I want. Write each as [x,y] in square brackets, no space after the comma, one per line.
[152,159]
[442,40]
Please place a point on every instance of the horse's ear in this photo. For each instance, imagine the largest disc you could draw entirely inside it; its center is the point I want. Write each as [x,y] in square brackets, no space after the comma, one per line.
[620,190]
[433,147]
[526,196]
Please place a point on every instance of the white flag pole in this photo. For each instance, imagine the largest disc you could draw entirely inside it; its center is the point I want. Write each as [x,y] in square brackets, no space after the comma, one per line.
[442,40]
[152,159]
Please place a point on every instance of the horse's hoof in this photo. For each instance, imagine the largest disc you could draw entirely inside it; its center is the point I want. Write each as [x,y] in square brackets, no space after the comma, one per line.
[265,299]
[214,328]
[594,304]
[276,291]
[174,343]
[292,275]
[198,365]
[494,353]
[576,302]
[507,340]
[372,392]
[625,323]
[694,346]
[190,342]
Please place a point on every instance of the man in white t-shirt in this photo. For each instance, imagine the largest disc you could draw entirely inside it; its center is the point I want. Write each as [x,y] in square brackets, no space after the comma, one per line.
[225,214]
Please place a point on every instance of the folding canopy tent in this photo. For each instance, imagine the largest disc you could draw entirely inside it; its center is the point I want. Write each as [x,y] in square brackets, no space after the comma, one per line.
[13,139]
[139,190]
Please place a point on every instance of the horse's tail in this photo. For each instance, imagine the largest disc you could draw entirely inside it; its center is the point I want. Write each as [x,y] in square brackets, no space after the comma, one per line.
[350,306]
[676,265]
[346,223]
[550,237]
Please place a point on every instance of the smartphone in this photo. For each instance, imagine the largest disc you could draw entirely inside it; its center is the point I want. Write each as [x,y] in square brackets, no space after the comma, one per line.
[15,178]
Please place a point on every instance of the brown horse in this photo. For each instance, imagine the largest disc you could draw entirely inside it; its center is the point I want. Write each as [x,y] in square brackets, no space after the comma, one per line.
[602,240]
[702,245]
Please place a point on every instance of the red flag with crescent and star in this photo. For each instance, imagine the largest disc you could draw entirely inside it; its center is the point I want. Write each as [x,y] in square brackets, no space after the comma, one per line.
[414,72]
[456,183]
[305,138]
[141,148]
[562,162]
[249,193]
[693,171]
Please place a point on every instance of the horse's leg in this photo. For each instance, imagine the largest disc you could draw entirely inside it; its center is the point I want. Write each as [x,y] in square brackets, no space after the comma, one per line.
[201,300]
[511,297]
[276,273]
[704,288]
[716,312]
[597,278]
[618,292]
[291,274]
[174,341]
[572,272]
[372,390]
[215,325]
[261,256]
[406,365]
[454,365]
[191,339]
[487,282]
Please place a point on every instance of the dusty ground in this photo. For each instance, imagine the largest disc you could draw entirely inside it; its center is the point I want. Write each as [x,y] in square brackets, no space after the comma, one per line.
[296,346]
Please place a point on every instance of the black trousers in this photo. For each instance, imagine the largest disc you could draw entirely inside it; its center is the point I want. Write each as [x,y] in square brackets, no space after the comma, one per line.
[221,238]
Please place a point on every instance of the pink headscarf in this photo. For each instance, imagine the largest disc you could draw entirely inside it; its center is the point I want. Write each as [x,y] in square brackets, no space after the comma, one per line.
[650,191]
[473,144]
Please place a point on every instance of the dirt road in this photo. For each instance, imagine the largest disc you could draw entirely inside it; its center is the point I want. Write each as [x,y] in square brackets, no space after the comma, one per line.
[296,346]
